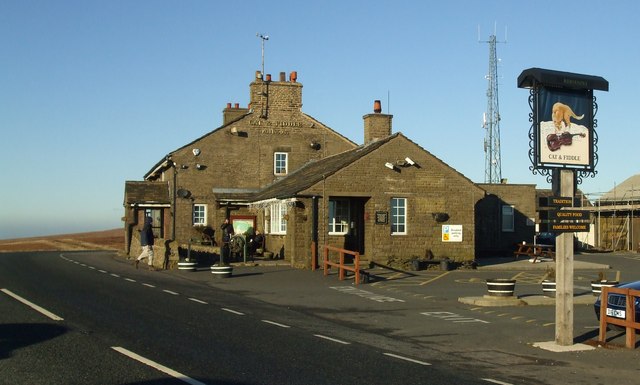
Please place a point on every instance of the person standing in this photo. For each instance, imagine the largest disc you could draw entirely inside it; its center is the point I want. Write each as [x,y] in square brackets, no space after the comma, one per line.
[227,232]
[146,242]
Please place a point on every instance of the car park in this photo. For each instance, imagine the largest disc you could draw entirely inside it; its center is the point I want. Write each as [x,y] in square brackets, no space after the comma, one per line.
[617,303]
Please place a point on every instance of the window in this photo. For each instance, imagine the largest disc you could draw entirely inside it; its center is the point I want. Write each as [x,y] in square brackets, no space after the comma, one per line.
[157,216]
[508,218]
[398,215]
[338,216]
[278,218]
[199,214]
[280,163]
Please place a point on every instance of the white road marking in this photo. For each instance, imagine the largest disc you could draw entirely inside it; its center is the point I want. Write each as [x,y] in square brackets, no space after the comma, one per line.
[232,311]
[198,301]
[453,317]
[115,275]
[148,285]
[366,294]
[332,339]
[102,271]
[130,280]
[407,359]
[275,323]
[157,366]
[170,292]
[496,381]
[92,268]
[32,305]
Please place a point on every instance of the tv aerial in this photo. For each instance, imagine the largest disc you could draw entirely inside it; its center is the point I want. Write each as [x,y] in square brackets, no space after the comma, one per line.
[263,38]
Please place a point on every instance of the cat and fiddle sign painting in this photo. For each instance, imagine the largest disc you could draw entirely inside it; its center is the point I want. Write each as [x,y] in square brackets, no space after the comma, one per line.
[565,135]
[562,133]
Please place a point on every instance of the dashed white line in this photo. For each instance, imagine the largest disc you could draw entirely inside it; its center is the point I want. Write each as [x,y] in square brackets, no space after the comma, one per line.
[170,292]
[32,305]
[332,339]
[148,285]
[91,267]
[157,366]
[275,323]
[407,359]
[232,311]
[115,275]
[130,280]
[102,271]
[198,301]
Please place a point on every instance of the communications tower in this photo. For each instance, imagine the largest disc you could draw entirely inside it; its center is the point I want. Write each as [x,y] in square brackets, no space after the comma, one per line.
[491,120]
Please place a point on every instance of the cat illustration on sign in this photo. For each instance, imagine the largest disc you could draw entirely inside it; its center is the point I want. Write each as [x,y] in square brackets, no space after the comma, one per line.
[561,113]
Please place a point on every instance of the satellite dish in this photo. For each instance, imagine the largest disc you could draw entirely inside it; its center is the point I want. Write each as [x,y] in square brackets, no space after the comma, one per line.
[182,193]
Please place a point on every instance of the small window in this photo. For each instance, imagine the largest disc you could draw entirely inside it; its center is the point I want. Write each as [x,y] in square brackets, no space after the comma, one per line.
[338,216]
[398,215]
[278,220]
[280,163]
[199,214]
[508,219]
[157,221]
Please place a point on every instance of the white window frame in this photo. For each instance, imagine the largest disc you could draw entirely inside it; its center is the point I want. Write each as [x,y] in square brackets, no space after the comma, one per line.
[339,216]
[280,163]
[398,216]
[508,218]
[199,214]
[278,223]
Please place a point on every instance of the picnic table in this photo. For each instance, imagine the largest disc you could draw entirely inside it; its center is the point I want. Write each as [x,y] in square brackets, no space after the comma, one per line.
[534,251]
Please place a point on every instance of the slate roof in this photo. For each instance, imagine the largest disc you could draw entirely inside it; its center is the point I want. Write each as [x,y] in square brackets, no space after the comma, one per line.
[314,171]
[137,192]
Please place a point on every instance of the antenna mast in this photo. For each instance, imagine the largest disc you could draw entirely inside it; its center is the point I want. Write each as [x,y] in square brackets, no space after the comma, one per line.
[263,38]
[491,120]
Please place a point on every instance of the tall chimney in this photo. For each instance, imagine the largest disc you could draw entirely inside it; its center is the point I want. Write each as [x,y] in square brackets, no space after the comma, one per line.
[377,125]
[232,113]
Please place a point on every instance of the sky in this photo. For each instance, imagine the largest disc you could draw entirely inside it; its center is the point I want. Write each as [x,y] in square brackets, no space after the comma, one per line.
[94,93]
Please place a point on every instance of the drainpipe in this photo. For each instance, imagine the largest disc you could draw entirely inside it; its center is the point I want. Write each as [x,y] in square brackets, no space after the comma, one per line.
[314,232]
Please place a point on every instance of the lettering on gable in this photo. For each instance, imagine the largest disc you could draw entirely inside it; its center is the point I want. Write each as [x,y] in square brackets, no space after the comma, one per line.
[276,127]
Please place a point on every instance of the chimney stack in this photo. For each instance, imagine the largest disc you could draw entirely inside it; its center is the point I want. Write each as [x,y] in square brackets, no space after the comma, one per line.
[232,113]
[377,125]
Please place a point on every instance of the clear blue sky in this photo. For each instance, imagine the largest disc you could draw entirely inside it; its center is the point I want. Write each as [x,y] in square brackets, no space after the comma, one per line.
[94,93]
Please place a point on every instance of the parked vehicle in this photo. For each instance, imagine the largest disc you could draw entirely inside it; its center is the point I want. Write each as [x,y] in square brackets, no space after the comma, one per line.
[616,304]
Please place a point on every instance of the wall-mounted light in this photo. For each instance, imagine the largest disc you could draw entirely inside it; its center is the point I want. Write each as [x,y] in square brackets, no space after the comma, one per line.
[196,151]
[390,166]
[233,131]
[409,161]
[184,167]
[200,166]
[440,217]
[315,145]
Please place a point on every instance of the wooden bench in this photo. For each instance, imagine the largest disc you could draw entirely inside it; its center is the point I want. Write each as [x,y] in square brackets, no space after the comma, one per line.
[533,251]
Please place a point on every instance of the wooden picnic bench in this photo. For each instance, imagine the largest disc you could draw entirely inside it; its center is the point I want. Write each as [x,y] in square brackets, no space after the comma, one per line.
[534,251]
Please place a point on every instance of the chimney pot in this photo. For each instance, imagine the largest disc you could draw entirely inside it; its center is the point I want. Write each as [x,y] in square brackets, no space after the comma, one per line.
[377,107]
[228,105]
[283,76]
[268,77]
[293,76]
[258,75]
[237,105]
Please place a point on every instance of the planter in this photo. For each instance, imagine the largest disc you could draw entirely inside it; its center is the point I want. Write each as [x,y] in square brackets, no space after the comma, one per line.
[223,271]
[498,287]
[596,286]
[549,288]
[187,265]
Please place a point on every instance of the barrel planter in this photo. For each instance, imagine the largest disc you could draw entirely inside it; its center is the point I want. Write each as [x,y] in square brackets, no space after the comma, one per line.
[499,287]
[185,265]
[549,288]
[596,286]
[223,271]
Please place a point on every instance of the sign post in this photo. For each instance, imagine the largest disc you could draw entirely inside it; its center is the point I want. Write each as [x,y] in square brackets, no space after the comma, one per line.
[564,271]
[562,141]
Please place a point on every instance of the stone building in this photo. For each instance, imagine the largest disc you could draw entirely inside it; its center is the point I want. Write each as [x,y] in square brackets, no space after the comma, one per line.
[193,188]
[272,168]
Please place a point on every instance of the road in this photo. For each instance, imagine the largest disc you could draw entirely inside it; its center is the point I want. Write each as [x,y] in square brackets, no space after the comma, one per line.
[90,318]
